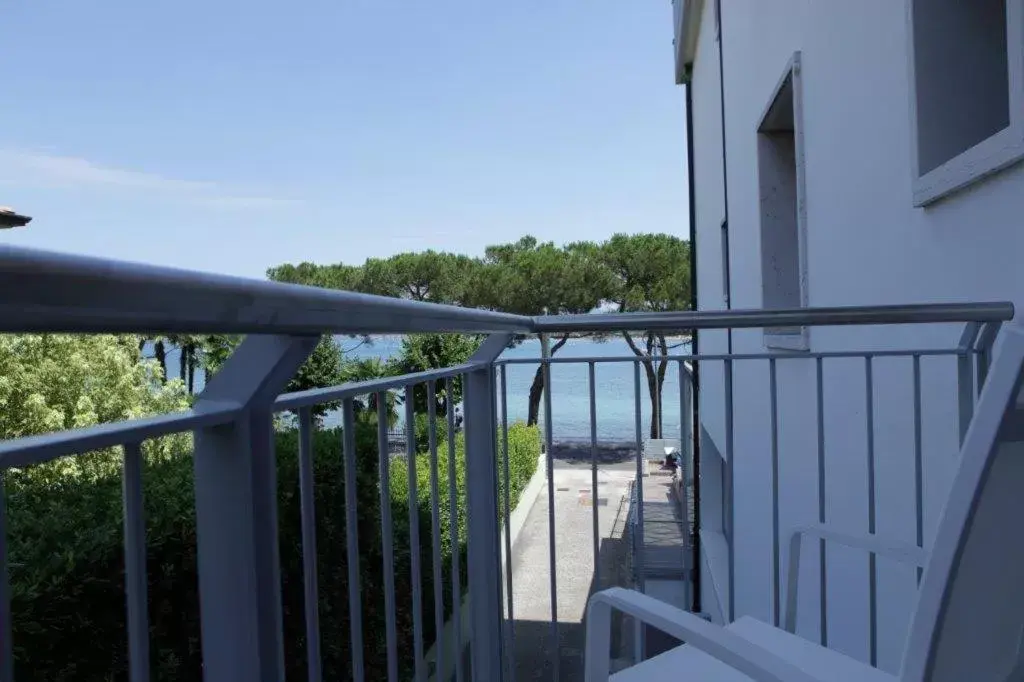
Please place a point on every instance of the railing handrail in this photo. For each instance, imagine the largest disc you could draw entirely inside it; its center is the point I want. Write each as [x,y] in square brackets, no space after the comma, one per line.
[28,450]
[59,292]
[318,396]
[921,313]
[68,293]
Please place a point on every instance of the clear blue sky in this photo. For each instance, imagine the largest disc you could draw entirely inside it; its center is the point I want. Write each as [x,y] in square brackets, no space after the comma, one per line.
[231,136]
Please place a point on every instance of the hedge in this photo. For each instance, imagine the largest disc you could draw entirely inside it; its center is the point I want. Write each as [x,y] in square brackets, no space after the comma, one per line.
[67,566]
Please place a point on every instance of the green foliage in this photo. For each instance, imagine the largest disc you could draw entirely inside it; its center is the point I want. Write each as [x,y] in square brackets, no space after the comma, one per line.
[324,367]
[532,278]
[217,348]
[423,276]
[67,572]
[629,273]
[421,429]
[326,276]
[52,382]
[523,449]
[430,351]
[652,271]
[421,352]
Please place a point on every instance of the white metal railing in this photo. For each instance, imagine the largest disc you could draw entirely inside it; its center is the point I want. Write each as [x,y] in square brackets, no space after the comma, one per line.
[235,479]
[970,355]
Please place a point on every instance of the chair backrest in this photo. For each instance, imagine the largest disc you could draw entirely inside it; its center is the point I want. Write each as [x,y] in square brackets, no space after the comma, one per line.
[969,623]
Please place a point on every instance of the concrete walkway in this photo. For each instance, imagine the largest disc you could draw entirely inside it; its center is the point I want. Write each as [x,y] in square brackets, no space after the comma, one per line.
[574,562]
[665,530]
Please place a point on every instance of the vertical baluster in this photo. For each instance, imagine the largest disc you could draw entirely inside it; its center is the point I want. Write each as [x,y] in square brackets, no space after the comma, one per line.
[685,413]
[822,577]
[776,560]
[546,367]
[6,648]
[918,460]
[352,539]
[435,529]
[510,659]
[308,523]
[414,536]
[591,384]
[638,630]
[135,563]
[453,505]
[386,530]
[728,499]
[685,434]
[869,410]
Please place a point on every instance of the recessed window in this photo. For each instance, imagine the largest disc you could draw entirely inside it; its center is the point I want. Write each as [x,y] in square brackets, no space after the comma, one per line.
[967,76]
[780,170]
[714,492]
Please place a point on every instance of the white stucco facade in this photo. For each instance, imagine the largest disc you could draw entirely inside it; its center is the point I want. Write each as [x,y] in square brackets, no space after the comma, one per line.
[866,243]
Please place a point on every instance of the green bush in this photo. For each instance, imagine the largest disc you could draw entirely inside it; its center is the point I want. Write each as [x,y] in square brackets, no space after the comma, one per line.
[67,566]
[421,427]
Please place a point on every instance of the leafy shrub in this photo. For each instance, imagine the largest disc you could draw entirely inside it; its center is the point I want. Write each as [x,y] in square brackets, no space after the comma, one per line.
[50,382]
[67,566]
[422,430]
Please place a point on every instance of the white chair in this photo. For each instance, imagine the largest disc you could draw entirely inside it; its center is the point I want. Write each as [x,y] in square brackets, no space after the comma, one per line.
[969,621]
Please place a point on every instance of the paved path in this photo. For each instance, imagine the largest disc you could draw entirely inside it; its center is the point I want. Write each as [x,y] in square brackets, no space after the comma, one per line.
[574,562]
[664,529]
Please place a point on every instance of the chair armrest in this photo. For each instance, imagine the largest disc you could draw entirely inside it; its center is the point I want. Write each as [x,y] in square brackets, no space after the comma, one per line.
[734,651]
[902,552]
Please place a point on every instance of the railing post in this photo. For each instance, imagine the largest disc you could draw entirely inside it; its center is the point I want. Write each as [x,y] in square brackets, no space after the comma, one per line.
[686,413]
[484,551]
[686,452]
[965,376]
[236,514]
[986,341]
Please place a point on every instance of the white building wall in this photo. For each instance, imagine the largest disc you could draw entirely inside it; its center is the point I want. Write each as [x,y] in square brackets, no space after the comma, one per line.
[710,212]
[866,244]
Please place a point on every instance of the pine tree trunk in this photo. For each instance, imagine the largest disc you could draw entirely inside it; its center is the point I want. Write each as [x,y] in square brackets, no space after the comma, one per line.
[161,357]
[536,391]
[537,387]
[653,390]
[182,361]
[655,384]
[192,370]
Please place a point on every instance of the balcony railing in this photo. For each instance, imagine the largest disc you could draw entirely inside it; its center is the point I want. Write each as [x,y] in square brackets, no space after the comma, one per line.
[235,476]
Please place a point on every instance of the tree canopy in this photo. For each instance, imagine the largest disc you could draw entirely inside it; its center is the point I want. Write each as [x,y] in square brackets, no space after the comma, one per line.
[625,273]
[532,278]
[51,382]
[652,273]
[324,367]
